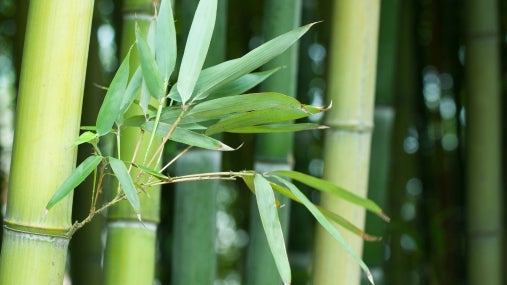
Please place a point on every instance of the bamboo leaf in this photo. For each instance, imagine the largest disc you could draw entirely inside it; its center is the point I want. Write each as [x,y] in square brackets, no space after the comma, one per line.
[196,47]
[165,41]
[78,175]
[188,137]
[338,219]
[242,84]
[85,137]
[126,183]
[151,74]
[216,76]
[257,117]
[110,108]
[131,93]
[151,172]
[325,223]
[218,108]
[276,128]
[266,203]
[328,187]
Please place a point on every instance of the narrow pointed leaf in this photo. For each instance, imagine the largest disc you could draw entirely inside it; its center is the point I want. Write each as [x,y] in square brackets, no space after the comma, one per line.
[277,128]
[151,74]
[110,108]
[78,175]
[196,48]
[216,76]
[218,108]
[126,183]
[242,84]
[257,117]
[86,137]
[131,93]
[328,187]
[325,223]
[338,219]
[165,41]
[151,172]
[266,203]
[188,137]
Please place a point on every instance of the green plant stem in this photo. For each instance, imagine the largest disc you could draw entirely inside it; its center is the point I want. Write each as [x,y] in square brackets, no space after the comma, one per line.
[347,142]
[51,87]
[274,151]
[483,143]
[130,248]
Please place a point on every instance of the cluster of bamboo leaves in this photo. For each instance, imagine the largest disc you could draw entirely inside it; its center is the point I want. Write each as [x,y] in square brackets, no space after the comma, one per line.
[202,103]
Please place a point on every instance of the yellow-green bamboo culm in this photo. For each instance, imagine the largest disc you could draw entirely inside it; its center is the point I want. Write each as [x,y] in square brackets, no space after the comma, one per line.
[483,143]
[353,53]
[130,248]
[274,151]
[34,248]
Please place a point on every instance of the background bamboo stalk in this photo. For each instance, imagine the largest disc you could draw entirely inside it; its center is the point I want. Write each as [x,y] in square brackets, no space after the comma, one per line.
[194,256]
[47,123]
[273,151]
[86,245]
[130,248]
[380,171]
[347,143]
[484,194]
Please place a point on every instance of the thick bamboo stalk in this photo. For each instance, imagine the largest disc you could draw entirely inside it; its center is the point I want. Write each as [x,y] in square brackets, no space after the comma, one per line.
[194,256]
[47,123]
[130,248]
[347,143]
[273,151]
[483,131]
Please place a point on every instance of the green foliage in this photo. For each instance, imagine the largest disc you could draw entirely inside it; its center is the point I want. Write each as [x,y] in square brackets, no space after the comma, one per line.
[204,103]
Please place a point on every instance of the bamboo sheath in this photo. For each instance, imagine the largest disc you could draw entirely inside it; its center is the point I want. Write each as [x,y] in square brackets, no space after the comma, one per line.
[347,144]
[47,123]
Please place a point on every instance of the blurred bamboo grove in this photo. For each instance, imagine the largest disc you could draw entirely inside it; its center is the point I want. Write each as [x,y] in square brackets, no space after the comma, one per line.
[436,162]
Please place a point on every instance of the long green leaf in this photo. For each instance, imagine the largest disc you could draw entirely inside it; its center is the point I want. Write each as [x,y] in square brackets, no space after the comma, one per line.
[216,76]
[242,84]
[272,227]
[218,108]
[196,48]
[328,187]
[131,93]
[258,117]
[110,108]
[78,175]
[188,137]
[165,41]
[151,74]
[325,223]
[85,137]
[151,172]
[276,128]
[126,183]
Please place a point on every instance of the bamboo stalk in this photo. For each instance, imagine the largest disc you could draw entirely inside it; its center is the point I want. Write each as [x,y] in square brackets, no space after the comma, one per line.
[194,256]
[347,143]
[130,248]
[47,123]
[374,252]
[483,131]
[274,151]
